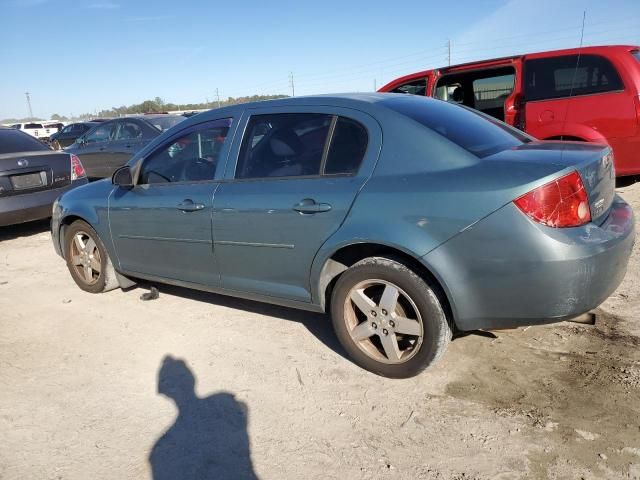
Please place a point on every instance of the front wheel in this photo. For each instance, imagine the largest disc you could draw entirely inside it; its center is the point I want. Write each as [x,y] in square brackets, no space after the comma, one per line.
[87,259]
[388,318]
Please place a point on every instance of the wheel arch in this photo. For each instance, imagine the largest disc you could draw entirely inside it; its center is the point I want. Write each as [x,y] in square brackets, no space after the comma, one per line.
[345,256]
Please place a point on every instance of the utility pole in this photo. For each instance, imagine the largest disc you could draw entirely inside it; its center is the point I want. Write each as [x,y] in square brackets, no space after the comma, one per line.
[29,104]
[292,85]
[218,97]
[449,51]
[375,86]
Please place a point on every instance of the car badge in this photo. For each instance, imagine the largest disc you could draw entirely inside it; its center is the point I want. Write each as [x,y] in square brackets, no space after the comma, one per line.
[23,162]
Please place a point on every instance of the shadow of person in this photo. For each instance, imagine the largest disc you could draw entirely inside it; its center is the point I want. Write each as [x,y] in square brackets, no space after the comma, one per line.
[209,438]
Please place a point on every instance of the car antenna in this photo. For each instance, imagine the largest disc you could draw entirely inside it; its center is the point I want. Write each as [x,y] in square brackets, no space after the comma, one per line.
[573,79]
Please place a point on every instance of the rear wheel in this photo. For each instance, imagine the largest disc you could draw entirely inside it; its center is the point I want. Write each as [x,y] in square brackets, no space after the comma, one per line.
[388,318]
[87,259]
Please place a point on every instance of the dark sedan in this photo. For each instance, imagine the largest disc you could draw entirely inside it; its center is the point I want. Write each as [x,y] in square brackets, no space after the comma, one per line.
[405,217]
[69,134]
[111,144]
[32,176]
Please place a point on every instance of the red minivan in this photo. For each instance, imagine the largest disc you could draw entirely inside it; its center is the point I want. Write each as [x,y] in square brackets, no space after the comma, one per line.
[589,94]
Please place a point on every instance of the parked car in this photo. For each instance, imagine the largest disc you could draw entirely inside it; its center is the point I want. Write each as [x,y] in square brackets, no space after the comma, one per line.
[35,129]
[590,94]
[32,176]
[111,144]
[405,217]
[69,134]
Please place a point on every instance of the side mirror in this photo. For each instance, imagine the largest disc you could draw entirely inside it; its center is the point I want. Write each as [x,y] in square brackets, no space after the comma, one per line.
[122,177]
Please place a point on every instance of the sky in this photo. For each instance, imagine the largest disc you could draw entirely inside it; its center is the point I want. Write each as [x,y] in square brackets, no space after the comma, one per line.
[81,56]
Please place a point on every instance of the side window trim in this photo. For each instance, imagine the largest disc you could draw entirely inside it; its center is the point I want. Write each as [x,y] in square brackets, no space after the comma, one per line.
[327,145]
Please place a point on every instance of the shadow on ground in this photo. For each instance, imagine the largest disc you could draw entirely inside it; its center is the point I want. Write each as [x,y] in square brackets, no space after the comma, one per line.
[24,229]
[209,438]
[317,323]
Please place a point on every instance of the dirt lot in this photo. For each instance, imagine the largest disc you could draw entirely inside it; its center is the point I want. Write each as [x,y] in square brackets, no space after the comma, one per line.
[91,387]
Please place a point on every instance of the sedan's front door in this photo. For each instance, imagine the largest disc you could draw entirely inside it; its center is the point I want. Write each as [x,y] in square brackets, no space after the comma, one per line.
[161,228]
[296,178]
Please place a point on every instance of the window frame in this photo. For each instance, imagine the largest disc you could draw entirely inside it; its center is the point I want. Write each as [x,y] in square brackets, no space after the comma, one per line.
[325,150]
[222,161]
[526,65]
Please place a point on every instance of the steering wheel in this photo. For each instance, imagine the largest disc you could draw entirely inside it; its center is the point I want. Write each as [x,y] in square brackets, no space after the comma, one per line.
[203,168]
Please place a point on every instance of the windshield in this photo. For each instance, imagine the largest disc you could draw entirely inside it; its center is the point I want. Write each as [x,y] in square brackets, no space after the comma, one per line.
[477,133]
[165,123]
[13,141]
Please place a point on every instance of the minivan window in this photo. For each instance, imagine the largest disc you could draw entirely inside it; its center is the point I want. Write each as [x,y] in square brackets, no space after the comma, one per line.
[416,87]
[478,134]
[12,141]
[636,53]
[569,75]
[283,145]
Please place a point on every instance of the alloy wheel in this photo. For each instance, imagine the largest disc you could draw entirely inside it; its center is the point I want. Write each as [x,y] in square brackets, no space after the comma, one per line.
[85,258]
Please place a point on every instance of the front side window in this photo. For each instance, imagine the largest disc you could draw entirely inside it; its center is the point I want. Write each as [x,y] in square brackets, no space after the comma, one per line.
[416,87]
[283,145]
[491,92]
[192,157]
[103,133]
[128,131]
[569,75]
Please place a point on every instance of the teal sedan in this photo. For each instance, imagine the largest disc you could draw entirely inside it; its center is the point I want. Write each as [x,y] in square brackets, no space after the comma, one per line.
[405,218]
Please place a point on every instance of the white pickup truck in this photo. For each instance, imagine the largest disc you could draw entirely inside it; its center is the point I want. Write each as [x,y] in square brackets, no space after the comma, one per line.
[39,130]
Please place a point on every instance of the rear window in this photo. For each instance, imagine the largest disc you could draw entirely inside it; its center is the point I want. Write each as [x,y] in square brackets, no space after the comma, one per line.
[32,125]
[478,134]
[569,75]
[165,123]
[13,141]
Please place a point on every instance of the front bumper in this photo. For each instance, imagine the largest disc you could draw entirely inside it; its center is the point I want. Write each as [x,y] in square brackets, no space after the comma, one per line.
[509,271]
[31,206]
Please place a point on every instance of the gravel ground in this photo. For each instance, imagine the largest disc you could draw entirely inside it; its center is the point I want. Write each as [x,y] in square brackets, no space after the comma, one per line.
[196,385]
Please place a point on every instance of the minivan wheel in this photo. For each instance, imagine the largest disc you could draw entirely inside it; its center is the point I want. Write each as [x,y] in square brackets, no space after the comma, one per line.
[87,259]
[388,319]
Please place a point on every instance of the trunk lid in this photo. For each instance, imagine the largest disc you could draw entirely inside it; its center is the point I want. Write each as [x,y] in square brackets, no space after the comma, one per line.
[593,162]
[28,172]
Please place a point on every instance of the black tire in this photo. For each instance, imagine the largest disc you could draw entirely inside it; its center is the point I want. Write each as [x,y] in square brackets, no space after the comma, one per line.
[436,330]
[102,281]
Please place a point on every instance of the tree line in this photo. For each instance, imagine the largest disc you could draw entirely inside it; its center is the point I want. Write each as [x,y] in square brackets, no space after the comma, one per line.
[157,105]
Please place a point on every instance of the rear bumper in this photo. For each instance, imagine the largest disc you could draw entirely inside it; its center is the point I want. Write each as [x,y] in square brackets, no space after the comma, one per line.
[508,271]
[31,206]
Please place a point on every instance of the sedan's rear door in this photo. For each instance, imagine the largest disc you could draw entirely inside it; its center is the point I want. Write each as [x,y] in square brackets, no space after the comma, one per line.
[297,173]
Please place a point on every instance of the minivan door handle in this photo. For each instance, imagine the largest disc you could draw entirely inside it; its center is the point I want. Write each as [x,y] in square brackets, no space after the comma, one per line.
[188,205]
[309,205]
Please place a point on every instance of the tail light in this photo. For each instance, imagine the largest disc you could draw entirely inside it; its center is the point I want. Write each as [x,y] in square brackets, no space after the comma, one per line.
[561,203]
[77,170]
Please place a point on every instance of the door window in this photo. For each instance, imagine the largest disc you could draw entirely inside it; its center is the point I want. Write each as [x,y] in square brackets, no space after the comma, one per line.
[283,145]
[128,131]
[191,157]
[348,146]
[103,133]
[416,87]
[569,75]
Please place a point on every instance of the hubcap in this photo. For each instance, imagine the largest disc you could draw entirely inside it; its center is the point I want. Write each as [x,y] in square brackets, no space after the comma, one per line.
[85,258]
[383,321]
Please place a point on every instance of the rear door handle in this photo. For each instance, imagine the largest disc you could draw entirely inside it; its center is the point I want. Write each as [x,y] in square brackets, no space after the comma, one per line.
[309,205]
[188,205]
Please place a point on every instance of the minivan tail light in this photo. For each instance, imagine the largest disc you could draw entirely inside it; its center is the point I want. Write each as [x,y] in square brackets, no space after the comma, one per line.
[561,203]
[77,170]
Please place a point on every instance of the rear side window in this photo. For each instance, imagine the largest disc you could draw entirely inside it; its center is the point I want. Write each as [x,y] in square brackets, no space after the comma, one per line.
[283,145]
[476,133]
[569,75]
[417,87]
[348,146]
[13,141]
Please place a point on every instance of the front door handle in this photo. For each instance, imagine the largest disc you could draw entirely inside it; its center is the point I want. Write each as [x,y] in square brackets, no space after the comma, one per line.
[189,205]
[309,205]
